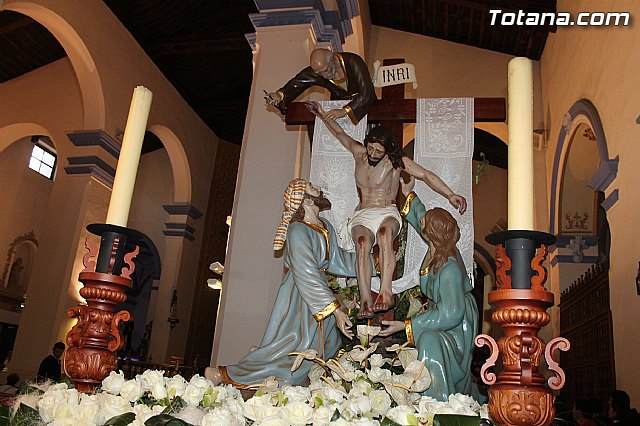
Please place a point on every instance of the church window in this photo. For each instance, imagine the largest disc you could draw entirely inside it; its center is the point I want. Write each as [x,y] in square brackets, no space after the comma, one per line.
[43,158]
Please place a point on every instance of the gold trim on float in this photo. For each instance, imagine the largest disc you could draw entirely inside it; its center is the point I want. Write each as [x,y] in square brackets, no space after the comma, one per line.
[229,381]
[409,330]
[326,311]
[407,204]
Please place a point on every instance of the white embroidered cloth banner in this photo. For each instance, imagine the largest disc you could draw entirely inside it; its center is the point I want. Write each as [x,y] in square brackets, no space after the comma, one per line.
[444,145]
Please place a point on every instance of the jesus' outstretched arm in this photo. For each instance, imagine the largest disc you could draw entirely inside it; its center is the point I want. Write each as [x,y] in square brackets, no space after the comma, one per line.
[347,141]
[435,183]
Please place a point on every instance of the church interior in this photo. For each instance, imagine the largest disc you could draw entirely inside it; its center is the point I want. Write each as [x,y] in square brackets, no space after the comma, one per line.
[215,160]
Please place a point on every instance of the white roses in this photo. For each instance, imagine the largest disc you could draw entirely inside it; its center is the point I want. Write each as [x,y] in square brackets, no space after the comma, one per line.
[356,390]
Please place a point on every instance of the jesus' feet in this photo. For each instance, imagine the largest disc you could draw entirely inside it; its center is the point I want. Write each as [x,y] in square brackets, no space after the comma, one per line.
[365,312]
[384,302]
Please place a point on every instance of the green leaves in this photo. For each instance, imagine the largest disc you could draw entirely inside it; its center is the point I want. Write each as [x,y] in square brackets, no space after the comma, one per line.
[5,416]
[455,420]
[336,415]
[121,420]
[165,420]
[26,389]
[174,406]
[25,416]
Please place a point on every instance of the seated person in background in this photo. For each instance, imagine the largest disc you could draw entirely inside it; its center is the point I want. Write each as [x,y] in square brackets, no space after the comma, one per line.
[620,411]
[11,387]
[583,413]
[444,333]
[50,366]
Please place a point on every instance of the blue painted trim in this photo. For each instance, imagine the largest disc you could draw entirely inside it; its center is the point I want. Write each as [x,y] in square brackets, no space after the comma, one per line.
[586,108]
[251,39]
[486,255]
[329,26]
[93,166]
[92,160]
[183,209]
[263,5]
[604,175]
[589,240]
[610,200]
[183,234]
[180,226]
[562,258]
[96,138]
[554,261]
[93,171]
[349,8]
[313,17]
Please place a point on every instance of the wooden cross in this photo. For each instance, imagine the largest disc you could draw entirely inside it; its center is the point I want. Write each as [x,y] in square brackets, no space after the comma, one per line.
[393,109]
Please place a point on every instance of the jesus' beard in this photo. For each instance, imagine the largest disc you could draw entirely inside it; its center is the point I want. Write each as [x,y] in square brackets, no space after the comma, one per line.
[374,162]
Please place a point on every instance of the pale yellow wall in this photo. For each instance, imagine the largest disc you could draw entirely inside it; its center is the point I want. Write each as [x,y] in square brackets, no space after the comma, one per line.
[49,98]
[489,203]
[601,65]
[154,188]
[25,190]
[445,69]
[91,90]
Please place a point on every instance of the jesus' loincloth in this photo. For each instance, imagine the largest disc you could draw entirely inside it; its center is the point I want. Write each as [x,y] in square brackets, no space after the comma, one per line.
[369,217]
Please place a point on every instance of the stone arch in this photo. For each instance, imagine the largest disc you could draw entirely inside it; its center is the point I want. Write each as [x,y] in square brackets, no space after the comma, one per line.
[484,260]
[29,240]
[485,280]
[14,132]
[582,112]
[80,57]
[179,162]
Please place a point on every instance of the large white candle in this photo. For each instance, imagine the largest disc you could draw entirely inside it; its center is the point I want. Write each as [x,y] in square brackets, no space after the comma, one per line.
[127,169]
[520,120]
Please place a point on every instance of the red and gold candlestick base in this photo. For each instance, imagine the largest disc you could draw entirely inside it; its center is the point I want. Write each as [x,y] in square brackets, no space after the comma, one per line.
[518,394]
[95,338]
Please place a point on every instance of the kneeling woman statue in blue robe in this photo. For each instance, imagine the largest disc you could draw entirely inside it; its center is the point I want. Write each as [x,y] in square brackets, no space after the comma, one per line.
[444,333]
[306,314]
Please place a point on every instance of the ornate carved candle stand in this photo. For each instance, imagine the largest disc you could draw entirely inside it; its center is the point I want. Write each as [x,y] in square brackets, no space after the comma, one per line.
[518,395]
[95,339]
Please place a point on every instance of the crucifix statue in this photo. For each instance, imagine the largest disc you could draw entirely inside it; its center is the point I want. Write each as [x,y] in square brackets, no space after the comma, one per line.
[392,111]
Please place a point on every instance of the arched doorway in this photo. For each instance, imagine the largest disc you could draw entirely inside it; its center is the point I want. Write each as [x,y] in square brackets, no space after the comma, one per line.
[582,172]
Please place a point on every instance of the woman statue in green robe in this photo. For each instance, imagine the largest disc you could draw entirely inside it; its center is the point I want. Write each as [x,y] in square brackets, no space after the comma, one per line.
[444,333]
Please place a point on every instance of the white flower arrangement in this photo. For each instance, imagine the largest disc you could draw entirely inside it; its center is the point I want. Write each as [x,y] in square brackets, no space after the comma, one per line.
[360,388]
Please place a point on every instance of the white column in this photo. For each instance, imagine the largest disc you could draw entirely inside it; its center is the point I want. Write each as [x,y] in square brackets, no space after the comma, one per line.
[267,164]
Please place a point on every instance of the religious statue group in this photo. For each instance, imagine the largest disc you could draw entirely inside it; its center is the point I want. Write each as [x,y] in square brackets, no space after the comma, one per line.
[307,314]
